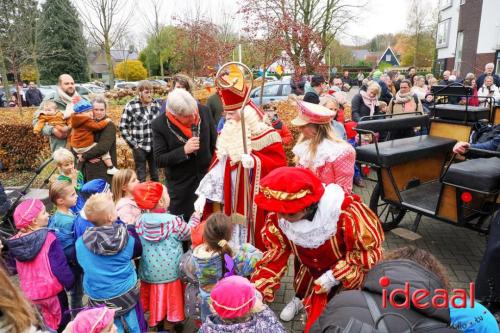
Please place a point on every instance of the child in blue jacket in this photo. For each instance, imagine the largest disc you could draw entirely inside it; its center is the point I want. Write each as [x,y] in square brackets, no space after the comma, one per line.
[105,253]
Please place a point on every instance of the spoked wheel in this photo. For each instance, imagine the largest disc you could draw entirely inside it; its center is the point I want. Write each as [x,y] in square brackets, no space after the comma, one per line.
[389,214]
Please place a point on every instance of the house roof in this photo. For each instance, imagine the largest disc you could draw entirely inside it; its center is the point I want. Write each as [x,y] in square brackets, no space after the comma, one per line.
[120,55]
[360,54]
[391,51]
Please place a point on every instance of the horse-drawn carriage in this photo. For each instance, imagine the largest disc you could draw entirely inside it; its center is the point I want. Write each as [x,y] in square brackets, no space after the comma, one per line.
[420,174]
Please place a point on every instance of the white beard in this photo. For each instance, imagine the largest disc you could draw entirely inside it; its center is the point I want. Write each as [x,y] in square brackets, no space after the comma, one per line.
[230,141]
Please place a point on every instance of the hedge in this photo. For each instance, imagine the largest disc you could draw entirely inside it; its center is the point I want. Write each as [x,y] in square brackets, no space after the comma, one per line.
[21,149]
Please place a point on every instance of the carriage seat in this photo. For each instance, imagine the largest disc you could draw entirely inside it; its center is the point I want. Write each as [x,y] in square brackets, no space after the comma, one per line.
[480,174]
[399,151]
[457,112]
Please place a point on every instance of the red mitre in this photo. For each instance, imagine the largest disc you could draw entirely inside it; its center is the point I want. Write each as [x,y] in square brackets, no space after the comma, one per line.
[289,190]
[310,113]
[232,98]
[148,194]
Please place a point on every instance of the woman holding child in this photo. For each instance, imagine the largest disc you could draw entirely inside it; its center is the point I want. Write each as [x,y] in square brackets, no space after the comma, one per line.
[92,166]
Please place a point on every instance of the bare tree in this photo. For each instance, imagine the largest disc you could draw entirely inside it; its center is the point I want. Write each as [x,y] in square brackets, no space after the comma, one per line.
[106,22]
[155,28]
[307,26]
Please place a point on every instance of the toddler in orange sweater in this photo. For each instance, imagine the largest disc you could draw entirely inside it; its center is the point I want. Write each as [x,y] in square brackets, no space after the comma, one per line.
[83,128]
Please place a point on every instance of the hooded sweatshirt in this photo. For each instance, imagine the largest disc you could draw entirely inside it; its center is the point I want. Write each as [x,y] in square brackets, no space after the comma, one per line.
[161,236]
[105,255]
[41,264]
[352,303]
[264,321]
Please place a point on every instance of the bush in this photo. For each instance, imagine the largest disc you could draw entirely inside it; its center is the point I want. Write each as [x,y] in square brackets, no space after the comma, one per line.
[131,70]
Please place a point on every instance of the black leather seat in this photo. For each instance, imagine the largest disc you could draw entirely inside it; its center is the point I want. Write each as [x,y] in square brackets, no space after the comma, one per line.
[480,174]
[457,112]
[403,150]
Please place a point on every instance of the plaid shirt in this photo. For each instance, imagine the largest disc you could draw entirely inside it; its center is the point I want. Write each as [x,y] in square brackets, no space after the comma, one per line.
[135,124]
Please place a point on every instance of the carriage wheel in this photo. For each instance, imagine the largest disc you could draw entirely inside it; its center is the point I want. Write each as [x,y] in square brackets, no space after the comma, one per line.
[390,215]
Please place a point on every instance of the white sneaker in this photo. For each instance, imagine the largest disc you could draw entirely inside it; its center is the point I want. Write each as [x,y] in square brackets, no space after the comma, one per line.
[291,309]
[112,171]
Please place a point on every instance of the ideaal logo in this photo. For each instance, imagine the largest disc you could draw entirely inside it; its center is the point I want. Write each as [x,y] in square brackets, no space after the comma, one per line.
[441,297]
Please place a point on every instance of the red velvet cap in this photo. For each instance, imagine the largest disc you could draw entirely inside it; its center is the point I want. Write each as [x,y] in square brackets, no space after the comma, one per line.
[289,190]
[148,194]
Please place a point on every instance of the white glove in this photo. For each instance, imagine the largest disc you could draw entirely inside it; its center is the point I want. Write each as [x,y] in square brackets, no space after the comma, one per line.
[247,161]
[199,204]
[327,281]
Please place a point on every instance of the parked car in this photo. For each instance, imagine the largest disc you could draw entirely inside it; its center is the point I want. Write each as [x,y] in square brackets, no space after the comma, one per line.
[160,83]
[273,91]
[94,88]
[125,85]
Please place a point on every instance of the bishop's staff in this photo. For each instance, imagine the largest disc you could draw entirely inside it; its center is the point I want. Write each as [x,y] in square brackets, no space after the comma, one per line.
[223,84]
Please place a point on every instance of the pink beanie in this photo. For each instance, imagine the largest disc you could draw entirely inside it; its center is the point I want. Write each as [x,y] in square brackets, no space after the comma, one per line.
[92,320]
[26,212]
[233,297]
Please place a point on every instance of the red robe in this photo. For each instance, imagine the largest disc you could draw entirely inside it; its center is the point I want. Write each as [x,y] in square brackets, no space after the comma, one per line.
[268,154]
[349,253]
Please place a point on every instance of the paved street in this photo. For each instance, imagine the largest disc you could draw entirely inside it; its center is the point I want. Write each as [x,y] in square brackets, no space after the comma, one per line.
[459,249]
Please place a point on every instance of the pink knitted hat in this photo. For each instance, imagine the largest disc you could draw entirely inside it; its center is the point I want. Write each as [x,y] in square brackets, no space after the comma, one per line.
[233,297]
[93,320]
[26,212]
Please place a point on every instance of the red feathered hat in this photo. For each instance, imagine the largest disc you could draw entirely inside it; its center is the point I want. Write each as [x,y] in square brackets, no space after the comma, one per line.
[289,190]
[148,194]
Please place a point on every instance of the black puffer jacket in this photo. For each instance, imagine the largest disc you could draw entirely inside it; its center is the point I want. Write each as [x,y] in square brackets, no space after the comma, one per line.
[353,304]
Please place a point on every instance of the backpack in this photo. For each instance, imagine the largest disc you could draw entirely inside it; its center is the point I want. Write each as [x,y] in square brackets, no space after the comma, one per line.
[356,326]
[482,132]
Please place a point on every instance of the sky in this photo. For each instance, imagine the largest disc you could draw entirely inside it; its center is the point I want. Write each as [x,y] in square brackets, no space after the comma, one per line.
[377,17]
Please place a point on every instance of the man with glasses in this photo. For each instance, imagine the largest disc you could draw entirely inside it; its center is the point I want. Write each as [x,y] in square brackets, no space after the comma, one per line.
[135,127]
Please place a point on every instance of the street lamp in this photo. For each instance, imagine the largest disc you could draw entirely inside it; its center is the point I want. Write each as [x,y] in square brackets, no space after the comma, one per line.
[131,49]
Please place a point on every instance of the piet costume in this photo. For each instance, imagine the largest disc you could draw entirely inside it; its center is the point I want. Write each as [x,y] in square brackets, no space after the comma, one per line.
[336,242]
[225,181]
[333,160]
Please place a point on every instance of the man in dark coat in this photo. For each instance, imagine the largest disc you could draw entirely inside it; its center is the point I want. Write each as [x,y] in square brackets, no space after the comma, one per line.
[33,96]
[488,70]
[184,139]
[214,105]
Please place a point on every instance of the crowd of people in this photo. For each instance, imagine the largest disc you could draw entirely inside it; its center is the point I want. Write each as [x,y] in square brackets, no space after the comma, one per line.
[213,242]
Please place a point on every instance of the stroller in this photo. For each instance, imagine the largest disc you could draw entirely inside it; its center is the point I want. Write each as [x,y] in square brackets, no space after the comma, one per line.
[11,196]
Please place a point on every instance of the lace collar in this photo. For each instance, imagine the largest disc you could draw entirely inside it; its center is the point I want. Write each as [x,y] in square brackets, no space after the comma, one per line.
[327,151]
[313,234]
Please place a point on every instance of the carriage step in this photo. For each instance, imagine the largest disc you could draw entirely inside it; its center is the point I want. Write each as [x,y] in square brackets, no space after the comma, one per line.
[424,197]
[406,234]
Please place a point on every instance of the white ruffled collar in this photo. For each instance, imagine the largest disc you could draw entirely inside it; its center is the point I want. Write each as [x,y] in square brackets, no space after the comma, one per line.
[327,151]
[313,234]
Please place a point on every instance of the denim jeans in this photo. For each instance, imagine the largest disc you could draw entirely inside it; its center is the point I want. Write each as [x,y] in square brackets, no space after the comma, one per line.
[76,292]
[141,157]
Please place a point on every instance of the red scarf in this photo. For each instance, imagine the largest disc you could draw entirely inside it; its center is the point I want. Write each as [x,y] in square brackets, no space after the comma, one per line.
[186,130]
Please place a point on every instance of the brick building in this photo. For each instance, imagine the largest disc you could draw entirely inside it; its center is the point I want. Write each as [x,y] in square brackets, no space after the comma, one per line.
[468,35]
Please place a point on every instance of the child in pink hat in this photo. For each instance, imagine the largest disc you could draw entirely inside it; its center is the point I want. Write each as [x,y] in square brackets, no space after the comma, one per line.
[96,320]
[238,308]
[40,262]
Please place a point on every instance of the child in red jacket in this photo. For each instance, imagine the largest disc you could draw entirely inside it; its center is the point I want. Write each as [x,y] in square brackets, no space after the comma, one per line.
[278,125]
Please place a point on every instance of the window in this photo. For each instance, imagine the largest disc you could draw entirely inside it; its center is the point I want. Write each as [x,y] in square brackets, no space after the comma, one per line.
[443,33]
[458,51]
[388,58]
[497,62]
[271,90]
[286,89]
[443,4]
